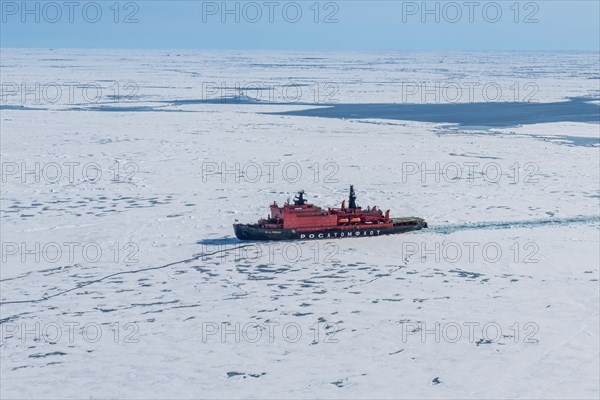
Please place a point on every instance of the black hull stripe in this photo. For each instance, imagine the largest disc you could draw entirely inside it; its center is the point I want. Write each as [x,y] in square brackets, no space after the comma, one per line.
[246,232]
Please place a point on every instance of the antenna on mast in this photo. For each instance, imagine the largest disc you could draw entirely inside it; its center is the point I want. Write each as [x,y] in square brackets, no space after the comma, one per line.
[299,200]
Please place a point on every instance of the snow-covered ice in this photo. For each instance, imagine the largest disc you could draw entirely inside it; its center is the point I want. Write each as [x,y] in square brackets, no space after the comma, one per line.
[122,278]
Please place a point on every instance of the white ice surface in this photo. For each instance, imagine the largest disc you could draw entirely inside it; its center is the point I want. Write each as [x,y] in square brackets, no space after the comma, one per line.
[364,289]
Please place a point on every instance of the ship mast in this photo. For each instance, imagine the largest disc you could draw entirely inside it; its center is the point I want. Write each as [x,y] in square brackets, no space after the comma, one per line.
[352,198]
[300,200]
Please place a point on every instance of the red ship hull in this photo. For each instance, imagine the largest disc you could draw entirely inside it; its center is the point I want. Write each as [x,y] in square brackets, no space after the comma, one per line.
[302,221]
[258,233]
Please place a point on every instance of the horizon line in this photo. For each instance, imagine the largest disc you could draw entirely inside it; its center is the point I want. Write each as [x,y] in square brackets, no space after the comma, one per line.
[308,50]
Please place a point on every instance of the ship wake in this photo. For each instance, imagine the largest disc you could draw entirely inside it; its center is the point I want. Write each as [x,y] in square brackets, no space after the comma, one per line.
[450,228]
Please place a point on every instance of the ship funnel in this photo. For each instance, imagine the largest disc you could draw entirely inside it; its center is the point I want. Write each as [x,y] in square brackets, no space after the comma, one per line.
[352,198]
